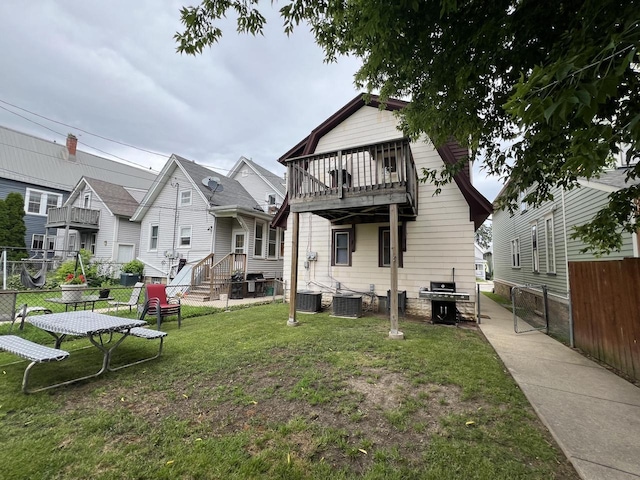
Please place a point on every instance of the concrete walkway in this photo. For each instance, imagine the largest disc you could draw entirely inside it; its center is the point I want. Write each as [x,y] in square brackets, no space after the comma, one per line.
[593,414]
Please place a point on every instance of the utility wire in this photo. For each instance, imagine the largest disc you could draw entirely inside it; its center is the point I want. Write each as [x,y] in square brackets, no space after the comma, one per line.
[81,130]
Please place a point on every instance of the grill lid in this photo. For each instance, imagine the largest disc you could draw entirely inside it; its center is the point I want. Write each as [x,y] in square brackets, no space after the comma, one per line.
[442,286]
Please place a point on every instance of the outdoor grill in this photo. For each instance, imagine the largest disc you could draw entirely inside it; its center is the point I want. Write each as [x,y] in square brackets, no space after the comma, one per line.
[443,298]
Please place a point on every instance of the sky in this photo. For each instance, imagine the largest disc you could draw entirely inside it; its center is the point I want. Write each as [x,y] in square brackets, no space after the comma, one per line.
[111,69]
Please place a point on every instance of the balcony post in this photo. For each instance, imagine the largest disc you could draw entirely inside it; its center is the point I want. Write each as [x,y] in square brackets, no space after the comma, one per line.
[292,322]
[394,333]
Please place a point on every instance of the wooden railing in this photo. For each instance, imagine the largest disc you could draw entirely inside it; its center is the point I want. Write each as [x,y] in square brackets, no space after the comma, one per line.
[379,167]
[221,272]
[201,271]
[73,215]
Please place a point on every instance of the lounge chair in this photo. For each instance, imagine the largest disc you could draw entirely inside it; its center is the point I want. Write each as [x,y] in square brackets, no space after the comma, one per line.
[133,300]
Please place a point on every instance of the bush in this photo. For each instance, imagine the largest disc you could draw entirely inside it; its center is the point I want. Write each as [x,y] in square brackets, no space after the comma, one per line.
[134,266]
[69,267]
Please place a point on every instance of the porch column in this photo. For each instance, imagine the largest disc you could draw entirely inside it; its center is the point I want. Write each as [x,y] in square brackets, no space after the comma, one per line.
[394,333]
[292,322]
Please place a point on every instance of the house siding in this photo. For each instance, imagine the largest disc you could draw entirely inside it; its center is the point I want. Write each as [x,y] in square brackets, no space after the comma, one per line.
[35,224]
[257,187]
[440,243]
[269,267]
[163,213]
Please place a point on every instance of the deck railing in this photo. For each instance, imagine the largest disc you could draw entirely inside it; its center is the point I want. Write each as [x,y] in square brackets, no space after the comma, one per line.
[73,215]
[222,271]
[379,167]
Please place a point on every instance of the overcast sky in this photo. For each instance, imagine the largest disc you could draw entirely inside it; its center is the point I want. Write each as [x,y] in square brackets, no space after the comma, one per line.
[111,68]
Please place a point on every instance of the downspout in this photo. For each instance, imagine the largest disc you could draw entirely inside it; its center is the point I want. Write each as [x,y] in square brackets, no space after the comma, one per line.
[175,227]
[566,260]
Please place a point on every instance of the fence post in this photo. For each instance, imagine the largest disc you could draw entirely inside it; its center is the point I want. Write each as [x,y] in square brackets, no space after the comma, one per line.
[478,302]
[572,342]
[546,307]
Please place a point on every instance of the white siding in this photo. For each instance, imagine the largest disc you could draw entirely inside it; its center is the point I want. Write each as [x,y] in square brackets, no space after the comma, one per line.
[439,241]
[107,224]
[163,213]
[257,187]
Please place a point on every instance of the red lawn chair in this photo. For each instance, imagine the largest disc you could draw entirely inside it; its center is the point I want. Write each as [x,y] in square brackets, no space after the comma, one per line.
[158,304]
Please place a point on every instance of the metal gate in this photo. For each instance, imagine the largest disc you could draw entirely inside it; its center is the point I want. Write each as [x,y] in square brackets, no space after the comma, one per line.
[530,308]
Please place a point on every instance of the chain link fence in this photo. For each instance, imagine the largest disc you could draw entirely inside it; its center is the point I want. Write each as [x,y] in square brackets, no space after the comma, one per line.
[530,311]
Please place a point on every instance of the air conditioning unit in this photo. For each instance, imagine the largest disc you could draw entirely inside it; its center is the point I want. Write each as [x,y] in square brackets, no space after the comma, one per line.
[308,301]
[347,306]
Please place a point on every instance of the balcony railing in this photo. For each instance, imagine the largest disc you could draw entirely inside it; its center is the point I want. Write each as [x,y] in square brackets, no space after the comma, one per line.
[377,174]
[73,216]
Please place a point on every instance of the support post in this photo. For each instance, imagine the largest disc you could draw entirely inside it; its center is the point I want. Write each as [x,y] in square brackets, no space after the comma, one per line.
[292,322]
[394,333]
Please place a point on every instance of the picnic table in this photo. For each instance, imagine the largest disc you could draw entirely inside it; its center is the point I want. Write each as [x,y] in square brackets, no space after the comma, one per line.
[84,301]
[94,326]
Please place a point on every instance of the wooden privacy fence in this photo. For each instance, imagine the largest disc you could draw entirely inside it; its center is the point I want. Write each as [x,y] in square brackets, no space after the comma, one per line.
[605,301]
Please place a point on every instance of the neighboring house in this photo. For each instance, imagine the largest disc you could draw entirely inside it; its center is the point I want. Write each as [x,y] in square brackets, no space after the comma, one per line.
[533,246]
[352,178]
[480,262]
[267,188]
[45,172]
[96,217]
[193,215]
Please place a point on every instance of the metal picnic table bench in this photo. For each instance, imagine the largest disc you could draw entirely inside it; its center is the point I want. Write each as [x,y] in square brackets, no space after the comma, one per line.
[81,323]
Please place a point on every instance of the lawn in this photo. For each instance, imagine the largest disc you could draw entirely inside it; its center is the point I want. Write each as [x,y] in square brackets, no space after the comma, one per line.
[240,395]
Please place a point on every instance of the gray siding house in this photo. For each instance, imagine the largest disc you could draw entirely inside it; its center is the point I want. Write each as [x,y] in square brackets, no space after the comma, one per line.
[534,245]
[45,172]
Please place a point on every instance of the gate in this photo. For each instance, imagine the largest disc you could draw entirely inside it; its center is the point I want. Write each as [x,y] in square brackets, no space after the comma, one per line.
[530,308]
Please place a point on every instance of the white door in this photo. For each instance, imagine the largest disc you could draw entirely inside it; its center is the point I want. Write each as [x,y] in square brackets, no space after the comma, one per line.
[125,253]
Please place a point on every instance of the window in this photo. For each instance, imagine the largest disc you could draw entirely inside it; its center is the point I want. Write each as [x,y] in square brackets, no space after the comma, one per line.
[238,242]
[51,242]
[37,241]
[271,199]
[38,202]
[86,201]
[342,245]
[273,243]
[515,253]
[185,237]
[185,198]
[153,237]
[384,246]
[523,204]
[550,244]
[258,245]
[534,248]
[281,243]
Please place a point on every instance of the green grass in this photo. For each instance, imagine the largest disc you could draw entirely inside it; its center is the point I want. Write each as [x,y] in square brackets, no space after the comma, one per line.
[240,395]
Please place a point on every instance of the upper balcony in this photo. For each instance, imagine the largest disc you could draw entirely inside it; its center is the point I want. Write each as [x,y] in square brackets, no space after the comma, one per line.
[75,217]
[355,185]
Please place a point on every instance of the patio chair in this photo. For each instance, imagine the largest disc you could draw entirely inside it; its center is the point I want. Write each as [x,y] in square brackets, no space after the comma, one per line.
[159,305]
[133,300]
[9,313]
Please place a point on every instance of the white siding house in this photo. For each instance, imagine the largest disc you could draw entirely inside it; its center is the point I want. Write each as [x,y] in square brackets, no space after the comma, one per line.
[185,216]
[95,217]
[436,232]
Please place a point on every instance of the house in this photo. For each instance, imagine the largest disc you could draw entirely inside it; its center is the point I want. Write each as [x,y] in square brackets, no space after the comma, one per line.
[362,221]
[96,217]
[267,189]
[482,267]
[533,246]
[45,172]
[194,221]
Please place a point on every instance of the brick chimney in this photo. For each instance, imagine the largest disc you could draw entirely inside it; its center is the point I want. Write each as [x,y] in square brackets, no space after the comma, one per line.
[72,143]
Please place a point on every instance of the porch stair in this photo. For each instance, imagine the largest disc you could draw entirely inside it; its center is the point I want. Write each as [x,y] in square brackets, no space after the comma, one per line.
[209,280]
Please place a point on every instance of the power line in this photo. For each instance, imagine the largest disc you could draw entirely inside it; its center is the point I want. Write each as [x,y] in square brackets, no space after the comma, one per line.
[81,130]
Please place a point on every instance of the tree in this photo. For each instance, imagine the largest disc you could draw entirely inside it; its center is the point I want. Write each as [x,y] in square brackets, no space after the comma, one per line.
[483,236]
[12,226]
[544,91]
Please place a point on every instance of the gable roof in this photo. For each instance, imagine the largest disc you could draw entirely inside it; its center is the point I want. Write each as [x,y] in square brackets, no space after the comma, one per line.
[479,207]
[273,180]
[232,193]
[115,197]
[29,159]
